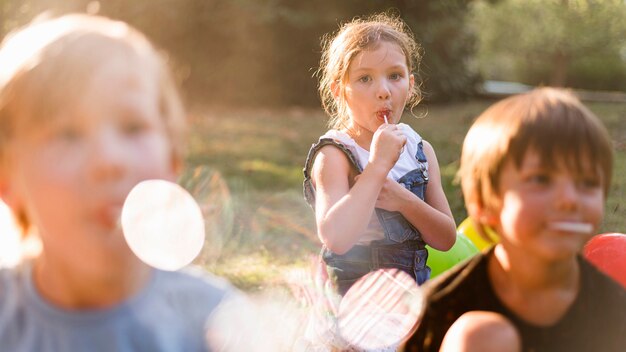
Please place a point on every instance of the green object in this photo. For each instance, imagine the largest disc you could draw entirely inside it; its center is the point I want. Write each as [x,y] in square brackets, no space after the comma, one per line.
[440,261]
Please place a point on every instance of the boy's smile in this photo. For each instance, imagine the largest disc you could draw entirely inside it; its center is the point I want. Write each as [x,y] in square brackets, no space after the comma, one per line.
[551,212]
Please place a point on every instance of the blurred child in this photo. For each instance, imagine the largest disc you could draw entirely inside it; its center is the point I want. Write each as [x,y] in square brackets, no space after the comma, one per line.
[536,168]
[374,182]
[88,110]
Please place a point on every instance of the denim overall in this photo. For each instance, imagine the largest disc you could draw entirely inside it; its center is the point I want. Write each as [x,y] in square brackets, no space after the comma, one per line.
[402,248]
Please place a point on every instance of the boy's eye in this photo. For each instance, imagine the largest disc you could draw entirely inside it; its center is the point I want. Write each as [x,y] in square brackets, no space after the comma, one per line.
[590,182]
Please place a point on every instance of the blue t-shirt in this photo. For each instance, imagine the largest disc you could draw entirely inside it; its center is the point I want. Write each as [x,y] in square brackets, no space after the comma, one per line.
[169,314]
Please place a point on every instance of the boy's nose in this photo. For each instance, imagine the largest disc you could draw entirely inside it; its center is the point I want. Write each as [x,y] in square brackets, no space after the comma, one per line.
[567,195]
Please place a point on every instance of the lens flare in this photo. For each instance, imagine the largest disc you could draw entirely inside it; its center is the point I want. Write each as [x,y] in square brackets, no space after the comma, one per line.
[162,224]
[380,310]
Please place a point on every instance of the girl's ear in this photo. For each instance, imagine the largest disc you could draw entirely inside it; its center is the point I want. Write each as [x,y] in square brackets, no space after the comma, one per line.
[9,197]
[6,195]
[176,165]
[411,83]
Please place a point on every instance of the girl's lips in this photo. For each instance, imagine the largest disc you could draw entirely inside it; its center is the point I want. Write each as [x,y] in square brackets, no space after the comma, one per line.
[381,114]
[108,216]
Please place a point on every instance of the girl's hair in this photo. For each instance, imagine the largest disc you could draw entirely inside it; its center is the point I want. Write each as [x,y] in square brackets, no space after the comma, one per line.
[45,66]
[552,122]
[339,48]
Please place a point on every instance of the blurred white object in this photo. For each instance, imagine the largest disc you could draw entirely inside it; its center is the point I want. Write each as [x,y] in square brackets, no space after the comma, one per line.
[10,243]
[163,224]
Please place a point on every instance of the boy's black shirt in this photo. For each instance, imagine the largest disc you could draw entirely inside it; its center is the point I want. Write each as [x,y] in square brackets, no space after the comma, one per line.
[596,321]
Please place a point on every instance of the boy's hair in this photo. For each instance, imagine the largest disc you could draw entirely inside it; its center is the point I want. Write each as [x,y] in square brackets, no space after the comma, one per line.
[339,48]
[45,66]
[549,121]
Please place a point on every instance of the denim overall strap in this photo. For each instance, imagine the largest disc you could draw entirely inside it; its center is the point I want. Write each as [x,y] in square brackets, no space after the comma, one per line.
[309,190]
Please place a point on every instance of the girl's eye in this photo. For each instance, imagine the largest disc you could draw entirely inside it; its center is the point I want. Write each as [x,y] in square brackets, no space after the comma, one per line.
[395,76]
[133,127]
[67,133]
[539,179]
[365,79]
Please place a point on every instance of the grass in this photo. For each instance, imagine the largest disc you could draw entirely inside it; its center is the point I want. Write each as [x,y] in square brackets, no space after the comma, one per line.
[245,169]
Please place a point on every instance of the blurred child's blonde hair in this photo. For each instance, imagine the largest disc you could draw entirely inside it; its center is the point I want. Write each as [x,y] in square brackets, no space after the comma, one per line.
[339,48]
[45,66]
[549,121]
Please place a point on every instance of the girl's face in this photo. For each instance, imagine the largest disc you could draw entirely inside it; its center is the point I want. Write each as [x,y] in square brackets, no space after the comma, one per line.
[548,213]
[378,83]
[73,175]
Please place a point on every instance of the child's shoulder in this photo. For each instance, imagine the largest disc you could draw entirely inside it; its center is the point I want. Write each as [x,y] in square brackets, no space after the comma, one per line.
[193,282]
[339,137]
[600,286]
[13,277]
[410,132]
[342,140]
[469,275]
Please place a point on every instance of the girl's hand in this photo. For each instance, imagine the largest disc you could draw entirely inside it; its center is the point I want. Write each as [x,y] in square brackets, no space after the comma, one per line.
[386,146]
[392,196]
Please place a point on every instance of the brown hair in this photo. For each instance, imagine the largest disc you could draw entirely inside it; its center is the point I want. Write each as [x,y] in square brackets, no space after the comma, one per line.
[552,122]
[45,66]
[339,48]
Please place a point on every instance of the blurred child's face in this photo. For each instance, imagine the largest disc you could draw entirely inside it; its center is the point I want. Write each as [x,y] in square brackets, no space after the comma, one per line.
[73,174]
[378,84]
[548,213]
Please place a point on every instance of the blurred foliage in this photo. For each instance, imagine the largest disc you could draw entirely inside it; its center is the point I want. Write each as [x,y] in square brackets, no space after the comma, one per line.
[264,52]
[575,43]
[263,227]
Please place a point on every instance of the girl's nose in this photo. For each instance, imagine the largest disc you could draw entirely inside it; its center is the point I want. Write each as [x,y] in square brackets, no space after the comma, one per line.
[107,156]
[383,91]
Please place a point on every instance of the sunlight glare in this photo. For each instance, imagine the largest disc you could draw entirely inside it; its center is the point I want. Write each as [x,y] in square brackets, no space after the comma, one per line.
[10,247]
[163,224]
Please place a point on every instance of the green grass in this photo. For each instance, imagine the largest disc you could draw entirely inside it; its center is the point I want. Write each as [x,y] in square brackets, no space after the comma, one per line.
[245,169]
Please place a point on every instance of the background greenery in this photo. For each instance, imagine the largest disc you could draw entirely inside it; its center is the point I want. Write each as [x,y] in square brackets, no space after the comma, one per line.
[246,70]
[265,228]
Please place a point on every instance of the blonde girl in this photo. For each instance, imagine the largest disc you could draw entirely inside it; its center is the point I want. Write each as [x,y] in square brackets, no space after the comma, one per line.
[374,182]
[87,111]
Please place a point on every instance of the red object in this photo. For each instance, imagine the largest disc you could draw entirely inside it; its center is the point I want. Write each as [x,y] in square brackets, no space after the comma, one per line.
[608,253]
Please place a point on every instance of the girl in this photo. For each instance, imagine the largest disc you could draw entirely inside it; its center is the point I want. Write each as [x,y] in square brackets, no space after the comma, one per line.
[87,111]
[373,182]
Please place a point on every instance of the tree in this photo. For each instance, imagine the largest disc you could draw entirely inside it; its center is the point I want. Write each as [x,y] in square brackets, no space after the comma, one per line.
[528,40]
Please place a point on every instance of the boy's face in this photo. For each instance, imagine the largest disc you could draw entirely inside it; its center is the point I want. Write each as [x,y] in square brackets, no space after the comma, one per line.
[73,175]
[548,213]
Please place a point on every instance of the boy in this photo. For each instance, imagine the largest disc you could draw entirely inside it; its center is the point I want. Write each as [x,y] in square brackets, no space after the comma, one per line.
[88,110]
[536,168]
